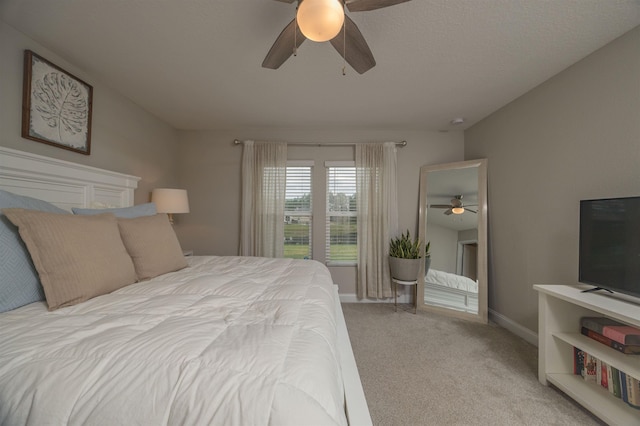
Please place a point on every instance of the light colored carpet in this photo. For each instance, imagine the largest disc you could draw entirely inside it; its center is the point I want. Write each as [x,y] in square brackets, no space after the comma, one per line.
[429,369]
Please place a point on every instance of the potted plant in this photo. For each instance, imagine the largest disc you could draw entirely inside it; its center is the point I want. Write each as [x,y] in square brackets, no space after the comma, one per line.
[405,255]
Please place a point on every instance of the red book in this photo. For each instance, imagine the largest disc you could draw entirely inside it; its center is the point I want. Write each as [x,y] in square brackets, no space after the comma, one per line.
[604,378]
[624,334]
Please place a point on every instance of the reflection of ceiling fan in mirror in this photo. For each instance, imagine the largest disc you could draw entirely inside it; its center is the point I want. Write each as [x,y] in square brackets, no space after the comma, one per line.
[456,206]
[324,20]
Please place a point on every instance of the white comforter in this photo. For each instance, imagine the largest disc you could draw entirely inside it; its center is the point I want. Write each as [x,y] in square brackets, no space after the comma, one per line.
[228,340]
[450,280]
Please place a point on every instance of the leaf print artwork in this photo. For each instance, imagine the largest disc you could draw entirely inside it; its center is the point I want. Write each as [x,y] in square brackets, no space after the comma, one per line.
[61,104]
[57,106]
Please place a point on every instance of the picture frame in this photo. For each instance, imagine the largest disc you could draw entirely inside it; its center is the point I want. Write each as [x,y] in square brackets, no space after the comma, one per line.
[56,106]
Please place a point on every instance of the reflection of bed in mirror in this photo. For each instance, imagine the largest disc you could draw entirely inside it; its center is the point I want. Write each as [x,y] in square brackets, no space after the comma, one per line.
[451,291]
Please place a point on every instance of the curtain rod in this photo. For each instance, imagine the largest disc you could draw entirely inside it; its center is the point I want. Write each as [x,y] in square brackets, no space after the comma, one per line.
[399,144]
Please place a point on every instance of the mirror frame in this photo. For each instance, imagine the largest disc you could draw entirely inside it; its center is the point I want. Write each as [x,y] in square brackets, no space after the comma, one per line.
[481,165]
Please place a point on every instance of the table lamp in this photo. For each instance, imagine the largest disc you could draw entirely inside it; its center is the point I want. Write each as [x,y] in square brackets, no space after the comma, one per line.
[170,201]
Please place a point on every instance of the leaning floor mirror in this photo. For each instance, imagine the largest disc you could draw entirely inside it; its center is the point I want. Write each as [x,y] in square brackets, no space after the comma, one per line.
[453,220]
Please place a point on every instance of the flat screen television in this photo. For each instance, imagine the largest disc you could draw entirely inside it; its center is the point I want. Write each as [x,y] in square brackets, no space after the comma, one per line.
[610,244]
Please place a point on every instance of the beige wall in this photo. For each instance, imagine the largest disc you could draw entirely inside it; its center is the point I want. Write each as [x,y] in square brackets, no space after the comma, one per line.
[444,248]
[125,138]
[209,167]
[576,136]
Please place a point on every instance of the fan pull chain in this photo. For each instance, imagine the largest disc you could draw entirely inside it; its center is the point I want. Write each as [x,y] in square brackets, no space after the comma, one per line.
[344,47]
[295,35]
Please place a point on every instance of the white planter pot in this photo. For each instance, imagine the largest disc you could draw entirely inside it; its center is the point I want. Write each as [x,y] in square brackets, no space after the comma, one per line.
[404,269]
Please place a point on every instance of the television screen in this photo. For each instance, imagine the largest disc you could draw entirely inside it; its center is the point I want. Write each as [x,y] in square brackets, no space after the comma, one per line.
[610,244]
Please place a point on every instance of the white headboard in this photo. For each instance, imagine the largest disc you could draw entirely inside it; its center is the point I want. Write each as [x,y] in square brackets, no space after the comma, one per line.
[63,183]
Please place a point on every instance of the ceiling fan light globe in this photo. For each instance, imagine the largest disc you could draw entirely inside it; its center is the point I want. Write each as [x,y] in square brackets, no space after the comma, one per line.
[457,210]
[320,20]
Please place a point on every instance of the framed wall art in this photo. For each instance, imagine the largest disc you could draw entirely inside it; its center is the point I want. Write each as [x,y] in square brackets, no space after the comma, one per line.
[56,106]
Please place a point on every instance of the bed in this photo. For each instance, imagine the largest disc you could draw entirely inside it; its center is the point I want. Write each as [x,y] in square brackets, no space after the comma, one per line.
[451,291]
[220,340]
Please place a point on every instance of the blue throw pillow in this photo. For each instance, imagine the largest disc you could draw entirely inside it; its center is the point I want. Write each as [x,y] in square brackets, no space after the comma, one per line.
[19,282]
[148,209]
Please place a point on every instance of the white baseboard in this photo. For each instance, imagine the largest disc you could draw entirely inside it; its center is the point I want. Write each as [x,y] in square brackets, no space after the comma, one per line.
[514,327]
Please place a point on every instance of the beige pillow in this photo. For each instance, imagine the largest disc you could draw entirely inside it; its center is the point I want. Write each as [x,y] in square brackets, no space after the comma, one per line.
[152,244]
[77,257]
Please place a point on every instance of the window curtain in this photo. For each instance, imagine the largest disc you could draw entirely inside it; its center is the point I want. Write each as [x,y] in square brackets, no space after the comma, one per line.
[264,169]
[377,203]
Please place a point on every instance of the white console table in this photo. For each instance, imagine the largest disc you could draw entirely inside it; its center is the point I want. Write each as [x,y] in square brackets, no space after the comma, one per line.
[560,308]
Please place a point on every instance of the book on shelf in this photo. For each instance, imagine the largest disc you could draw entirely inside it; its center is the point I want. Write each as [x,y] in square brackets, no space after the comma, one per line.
[623,387]
[590,370]
[625,349]
[610,379]
[624,334]
[578,361]
[618,383]
[633,392]
[604,376]
[615,380]
[612,329]
[597,324]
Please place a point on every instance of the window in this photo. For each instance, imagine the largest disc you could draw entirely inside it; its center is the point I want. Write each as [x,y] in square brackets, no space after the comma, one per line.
[297,211]
[341,220]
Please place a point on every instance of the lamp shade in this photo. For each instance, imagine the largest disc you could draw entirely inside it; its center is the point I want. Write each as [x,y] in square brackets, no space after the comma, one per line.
[320,20]
[457,210]
[169,200]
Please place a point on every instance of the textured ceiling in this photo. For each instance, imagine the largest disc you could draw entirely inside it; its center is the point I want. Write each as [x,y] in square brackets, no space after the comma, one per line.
[196,64]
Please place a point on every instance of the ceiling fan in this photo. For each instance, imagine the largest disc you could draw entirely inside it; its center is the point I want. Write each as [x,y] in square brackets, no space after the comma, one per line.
[324,20]
[456,206]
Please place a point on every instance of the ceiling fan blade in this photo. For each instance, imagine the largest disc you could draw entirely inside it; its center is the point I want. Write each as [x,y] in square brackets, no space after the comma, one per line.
[286,1]
[283,46]
[448,212]
[440,206]
[358,54]
[469,210]
[364,5]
